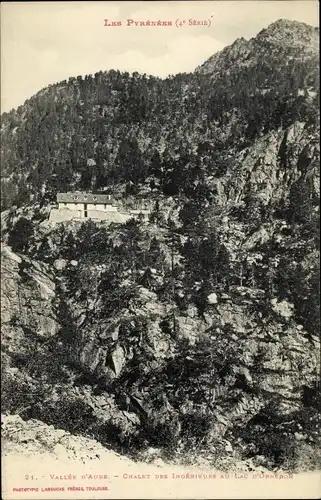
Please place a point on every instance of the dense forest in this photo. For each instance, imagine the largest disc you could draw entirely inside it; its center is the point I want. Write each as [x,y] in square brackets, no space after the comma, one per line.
[197,330]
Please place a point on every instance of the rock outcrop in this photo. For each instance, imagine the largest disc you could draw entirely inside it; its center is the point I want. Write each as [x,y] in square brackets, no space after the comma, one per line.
[27,301]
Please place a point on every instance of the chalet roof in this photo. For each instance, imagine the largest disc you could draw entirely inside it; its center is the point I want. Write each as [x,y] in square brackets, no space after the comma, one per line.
[84,198]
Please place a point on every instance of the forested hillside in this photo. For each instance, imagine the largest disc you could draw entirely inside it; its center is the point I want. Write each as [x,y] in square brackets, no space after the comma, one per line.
[113,127]
[198,330]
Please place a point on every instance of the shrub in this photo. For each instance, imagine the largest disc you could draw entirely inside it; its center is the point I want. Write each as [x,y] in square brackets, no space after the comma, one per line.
[20,235]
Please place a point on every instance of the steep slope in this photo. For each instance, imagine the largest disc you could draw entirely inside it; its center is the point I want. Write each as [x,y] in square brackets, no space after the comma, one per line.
[196,333]
[118,351]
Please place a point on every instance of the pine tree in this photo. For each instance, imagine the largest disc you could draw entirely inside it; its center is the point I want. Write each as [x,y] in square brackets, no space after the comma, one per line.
[21,235]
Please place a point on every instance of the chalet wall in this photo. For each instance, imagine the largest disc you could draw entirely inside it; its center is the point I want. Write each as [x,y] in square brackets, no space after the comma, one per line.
[97,214]
[102,207]
[90,206]
[109,216]
[62,215]
[71,206]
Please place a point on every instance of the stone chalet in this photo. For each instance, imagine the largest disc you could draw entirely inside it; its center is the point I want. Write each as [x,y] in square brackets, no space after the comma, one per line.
[81,206]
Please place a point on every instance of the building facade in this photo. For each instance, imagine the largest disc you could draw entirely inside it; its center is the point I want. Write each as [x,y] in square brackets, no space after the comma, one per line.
[82,206]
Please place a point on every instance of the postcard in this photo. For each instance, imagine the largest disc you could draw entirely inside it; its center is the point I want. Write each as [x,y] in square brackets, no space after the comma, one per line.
[160,250]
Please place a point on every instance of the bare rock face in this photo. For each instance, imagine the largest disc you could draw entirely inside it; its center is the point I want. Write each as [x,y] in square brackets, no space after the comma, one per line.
[27,297]
[261,173]
[104,350]
[291,33]
[282,357]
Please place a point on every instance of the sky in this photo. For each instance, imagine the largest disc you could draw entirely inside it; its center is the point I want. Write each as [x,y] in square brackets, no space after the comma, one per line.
[45,42]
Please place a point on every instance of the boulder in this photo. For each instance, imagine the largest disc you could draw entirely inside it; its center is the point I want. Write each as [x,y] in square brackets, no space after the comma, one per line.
[60,264]
[119,359]
[212,298]
[283,308]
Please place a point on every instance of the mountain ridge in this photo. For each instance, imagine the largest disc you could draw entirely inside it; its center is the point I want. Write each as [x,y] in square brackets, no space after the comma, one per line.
[282,34]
